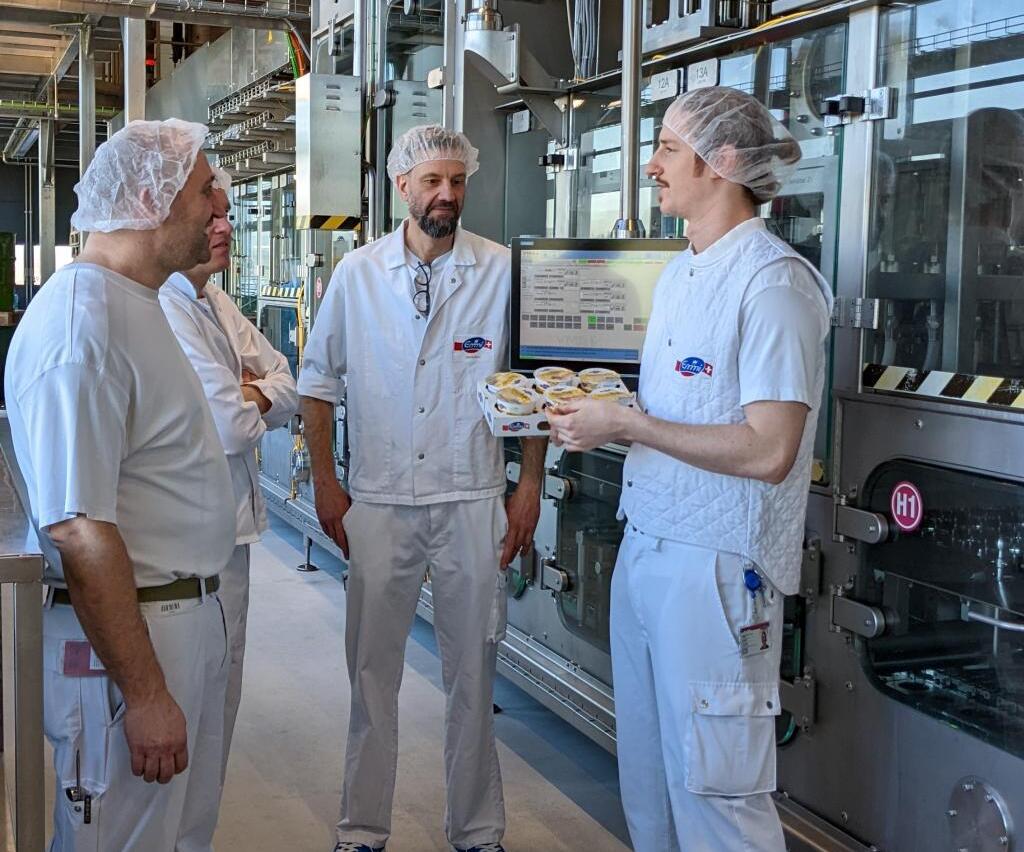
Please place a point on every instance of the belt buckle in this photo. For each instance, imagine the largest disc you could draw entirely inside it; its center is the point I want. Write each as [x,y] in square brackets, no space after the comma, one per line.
[202,589]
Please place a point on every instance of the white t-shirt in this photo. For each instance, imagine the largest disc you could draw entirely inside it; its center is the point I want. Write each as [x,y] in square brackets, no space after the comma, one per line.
[782,329]
[109,421]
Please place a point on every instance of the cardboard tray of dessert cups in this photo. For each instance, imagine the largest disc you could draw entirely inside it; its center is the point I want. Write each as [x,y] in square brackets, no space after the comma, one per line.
[503,425]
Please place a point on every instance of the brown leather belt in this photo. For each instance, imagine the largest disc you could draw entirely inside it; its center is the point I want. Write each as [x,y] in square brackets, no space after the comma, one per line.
[190,587]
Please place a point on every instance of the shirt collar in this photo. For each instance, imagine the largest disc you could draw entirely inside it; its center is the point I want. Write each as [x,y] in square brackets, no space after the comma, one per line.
[726,244]
[393,248]
[180,284]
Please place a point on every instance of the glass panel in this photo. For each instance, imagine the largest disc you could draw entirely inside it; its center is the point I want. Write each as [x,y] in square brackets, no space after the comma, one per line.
[415,46]
[588,542]
[947,253]
[965,557]
[251,216]
[286,246]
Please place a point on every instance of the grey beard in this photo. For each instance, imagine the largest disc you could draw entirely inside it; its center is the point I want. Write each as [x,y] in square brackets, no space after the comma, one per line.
[438,228]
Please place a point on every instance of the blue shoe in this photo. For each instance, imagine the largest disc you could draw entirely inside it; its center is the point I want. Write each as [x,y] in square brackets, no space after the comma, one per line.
[485,847]
[350,846]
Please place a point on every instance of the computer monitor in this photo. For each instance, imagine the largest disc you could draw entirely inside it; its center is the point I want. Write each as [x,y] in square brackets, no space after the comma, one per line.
[584,303]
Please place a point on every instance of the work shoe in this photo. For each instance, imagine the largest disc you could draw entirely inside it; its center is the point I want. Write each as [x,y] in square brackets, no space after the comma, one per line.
[350,846]
[485,847]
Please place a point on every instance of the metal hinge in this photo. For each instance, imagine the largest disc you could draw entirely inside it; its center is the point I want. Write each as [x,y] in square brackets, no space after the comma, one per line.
[869,105]
[855,313]
[798,699]
[860,525]
[810,571]
[856,617]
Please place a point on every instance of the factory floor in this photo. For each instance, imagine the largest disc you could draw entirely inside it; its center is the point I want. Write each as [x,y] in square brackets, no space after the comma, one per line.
[284,778]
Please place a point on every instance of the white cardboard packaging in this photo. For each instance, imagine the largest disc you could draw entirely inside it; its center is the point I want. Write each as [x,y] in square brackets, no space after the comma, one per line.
[514,425]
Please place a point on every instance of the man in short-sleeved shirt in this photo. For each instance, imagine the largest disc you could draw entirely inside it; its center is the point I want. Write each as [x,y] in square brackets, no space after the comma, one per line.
[714,487]
[129,488]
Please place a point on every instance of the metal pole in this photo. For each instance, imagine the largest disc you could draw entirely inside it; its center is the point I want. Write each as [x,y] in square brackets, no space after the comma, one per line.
[47,203]
[86,106]
[133,34]
[451,34]
[28,259]
[629,224]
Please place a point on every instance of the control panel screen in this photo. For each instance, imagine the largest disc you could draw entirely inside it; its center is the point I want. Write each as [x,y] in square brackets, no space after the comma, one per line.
[584,302]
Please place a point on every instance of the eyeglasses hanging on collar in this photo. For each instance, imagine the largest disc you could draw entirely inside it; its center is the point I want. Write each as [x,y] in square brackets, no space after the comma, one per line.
[421,282]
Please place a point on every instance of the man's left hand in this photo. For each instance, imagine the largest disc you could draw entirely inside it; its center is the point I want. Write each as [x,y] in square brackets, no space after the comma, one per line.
[523,510]
[588,423]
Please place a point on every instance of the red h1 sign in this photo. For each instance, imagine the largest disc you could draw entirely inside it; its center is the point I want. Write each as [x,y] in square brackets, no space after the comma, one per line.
[906,506]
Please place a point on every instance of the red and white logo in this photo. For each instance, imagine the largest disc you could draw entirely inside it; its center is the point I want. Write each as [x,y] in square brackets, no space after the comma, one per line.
[906,506]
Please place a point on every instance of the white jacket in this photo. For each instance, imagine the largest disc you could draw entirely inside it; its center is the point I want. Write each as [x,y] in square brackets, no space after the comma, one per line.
[220,343]
[415,429]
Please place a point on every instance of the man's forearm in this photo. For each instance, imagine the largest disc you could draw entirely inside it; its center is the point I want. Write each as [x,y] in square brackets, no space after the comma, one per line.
[532,468]
[730,449]
[317,427]
[99,575]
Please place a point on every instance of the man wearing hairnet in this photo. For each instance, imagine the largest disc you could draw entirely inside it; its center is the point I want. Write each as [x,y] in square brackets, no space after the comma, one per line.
[409,326]
[714,487]
[130,491]
[250,389]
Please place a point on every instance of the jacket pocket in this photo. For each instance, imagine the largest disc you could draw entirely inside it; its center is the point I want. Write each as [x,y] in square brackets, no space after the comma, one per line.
[731,738]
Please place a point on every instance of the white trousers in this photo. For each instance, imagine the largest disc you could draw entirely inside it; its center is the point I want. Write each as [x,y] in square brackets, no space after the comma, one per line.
[390,548]
[234,598]
[84,721]
[695,718]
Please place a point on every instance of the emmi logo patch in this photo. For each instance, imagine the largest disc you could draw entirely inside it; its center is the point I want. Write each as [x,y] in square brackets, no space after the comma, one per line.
[515,426]
[691,366]
[472,345]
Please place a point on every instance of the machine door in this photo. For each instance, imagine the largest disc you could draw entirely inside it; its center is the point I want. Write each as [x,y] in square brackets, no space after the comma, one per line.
[589,534]
[950,583]
[946,262]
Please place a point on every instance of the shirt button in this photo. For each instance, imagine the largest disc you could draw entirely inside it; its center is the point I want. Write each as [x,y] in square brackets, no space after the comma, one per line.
[421,410]
[629,483]
[704,703]
[421,456]
[423,362]
[691,273]
[419,316]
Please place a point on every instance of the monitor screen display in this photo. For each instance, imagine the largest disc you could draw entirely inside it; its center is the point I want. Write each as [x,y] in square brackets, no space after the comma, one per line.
[581,303]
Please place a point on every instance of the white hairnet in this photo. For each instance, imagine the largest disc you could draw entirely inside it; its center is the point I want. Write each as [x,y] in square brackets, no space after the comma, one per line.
[221,179]
[736,136]
[430,142]
[136,175]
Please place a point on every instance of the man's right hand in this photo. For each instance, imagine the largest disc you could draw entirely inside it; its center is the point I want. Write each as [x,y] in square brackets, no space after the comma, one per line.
[157,739]
[332,503]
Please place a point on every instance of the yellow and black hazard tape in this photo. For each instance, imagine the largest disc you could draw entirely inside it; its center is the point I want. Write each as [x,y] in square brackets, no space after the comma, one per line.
[271,292]
[937,384]
[327,223]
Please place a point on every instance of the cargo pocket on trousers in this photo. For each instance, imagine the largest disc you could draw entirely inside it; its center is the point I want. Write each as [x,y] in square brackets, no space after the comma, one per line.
[499,610]
[81,715]
[730,749]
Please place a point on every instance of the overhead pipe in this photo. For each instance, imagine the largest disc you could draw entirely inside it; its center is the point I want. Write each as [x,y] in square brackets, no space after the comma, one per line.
[629,224]
[212,12]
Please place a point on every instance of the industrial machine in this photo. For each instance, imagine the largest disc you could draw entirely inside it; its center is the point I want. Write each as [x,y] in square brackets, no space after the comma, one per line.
[903,670]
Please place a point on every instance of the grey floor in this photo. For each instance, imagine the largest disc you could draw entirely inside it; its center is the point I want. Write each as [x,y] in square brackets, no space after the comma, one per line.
[284,778]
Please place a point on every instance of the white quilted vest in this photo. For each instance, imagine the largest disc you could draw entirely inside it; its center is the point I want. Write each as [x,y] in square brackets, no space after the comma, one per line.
[689,374]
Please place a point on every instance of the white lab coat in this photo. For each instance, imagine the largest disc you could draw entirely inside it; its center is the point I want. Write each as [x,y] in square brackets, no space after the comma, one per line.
[220,343]
[427,479]
[414,426]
